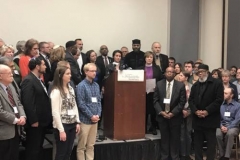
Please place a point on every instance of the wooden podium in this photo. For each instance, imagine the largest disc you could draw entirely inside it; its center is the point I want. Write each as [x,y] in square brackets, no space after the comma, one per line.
[124,108]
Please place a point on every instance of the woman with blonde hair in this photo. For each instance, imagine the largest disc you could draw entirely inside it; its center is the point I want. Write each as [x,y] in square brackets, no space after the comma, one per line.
[66,121]
[57,54]
[8,51]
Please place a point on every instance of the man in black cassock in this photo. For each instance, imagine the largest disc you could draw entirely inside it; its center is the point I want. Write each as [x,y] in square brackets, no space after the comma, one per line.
[135,59]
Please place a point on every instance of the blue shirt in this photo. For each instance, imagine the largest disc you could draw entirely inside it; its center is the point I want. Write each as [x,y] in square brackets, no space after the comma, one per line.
[86,92]
[233,120]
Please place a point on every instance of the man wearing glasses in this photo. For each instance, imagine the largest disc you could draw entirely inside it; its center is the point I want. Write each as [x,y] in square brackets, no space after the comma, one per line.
[205,100]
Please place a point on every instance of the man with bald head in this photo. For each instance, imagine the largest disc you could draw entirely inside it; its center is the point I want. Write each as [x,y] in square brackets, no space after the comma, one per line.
[160,59]
[169,100]
[12,116]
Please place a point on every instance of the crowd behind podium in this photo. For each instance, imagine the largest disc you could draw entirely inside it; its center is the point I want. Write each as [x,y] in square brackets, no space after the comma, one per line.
[45,86]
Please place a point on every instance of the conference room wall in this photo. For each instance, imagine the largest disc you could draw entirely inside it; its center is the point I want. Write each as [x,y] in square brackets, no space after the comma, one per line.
[184,30]
[211,25]
[233,39]
[111,22]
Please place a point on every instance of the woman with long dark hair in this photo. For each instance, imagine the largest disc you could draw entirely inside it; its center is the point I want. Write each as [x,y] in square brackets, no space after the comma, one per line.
[66,121]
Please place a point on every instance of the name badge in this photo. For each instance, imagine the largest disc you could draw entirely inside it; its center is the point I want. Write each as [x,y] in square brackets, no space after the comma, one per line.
[16,72]
[166,101]
[227,114]
[94,99]
[70,112]
[15,109]
[239,96]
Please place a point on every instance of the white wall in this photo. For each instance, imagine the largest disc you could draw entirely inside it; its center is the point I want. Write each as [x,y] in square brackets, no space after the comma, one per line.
[111,22]
[210,47]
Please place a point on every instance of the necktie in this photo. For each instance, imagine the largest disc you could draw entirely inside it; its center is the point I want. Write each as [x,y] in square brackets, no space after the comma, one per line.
[10,97]
[105,61]
[167,106]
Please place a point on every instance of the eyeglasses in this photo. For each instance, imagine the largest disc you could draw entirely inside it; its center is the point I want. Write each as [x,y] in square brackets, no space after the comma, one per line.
[103,48]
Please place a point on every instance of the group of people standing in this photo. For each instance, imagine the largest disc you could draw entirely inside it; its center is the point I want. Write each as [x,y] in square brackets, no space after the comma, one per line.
[50,86]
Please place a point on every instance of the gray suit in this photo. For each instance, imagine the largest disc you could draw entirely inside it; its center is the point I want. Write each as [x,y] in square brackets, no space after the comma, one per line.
[7,116]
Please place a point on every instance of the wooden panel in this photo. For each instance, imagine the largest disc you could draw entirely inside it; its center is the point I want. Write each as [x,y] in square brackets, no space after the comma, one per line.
[129,110]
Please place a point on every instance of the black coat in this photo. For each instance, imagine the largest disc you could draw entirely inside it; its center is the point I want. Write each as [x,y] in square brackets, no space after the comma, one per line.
[235,94]
[163,61]
[135,59]
[178,100]
[36,101]
[47,75]
[100,64]
[211,101]
[75,70]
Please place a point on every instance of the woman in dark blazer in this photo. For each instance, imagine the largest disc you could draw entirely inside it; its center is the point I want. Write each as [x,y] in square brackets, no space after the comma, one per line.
[152,71]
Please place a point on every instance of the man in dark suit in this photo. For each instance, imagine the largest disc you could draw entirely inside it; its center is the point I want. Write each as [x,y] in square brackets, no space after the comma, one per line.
[82,58]
[102,62]
[37,106]
[135,59]
[169,100]
[44,54]
[205,101]
[159,59]
[75,70]
[12,116]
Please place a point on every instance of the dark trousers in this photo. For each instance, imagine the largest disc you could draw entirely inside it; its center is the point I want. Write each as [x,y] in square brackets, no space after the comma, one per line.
[64,148]
[170,140]
[150,110]
[199,136]
[185,139]
[9,148]
[34,142]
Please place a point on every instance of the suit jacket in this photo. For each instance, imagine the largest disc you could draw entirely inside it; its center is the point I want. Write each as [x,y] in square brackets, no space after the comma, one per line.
[47,74]
[235,94]
[75,70]
[36,101]
[101,66]
[7,115]
[178,100]
[210,100]
[163,61]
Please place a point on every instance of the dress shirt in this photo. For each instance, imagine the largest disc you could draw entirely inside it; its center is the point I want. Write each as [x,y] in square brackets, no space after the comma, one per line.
[233,120]
[86,90]
[80,62]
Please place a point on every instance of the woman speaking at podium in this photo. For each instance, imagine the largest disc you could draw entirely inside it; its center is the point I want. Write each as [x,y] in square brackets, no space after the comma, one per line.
[153,75]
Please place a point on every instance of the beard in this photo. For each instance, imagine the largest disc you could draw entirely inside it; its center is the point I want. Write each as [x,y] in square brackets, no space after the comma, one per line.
[203,79]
